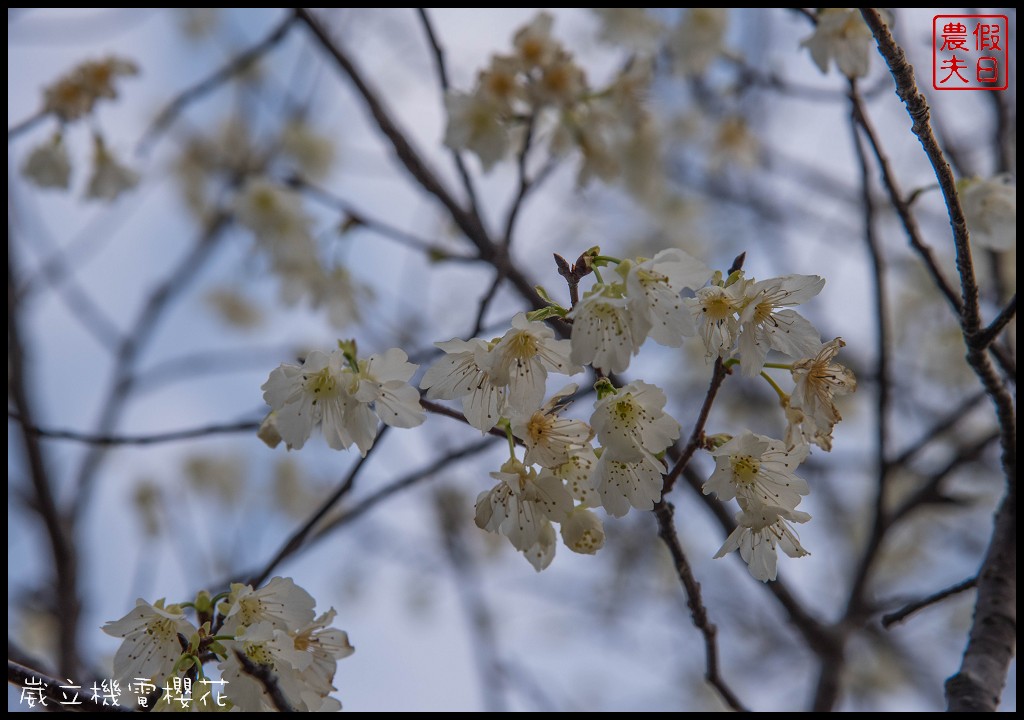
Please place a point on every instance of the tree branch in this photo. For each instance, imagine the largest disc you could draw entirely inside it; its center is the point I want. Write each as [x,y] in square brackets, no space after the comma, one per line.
[665,514]
[154,439]
[890,619]
[298,538]
[697,434]
[238,64]
[65,564]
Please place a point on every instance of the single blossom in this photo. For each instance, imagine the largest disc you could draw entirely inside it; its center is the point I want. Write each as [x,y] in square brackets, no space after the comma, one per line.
[49,165]
[631,423]
[990,207]
[758,532]
[582,531]
[765,326]
[604,332]
[521,502]
[550,439]
[843,36]
[464,373]
[109,177]
[715,310]
[759,470]
[280,603]
[151,647]
[811,410]
[653,288]
[522,358]
[624,484]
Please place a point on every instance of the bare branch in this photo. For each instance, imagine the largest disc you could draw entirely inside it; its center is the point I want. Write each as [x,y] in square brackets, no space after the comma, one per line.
[442,77]
[65,567]
[298,538]
[665,514]
[154,439]
[890,619]
[990,648]
[238,64]
[697,434]
[264,674]
[989,335]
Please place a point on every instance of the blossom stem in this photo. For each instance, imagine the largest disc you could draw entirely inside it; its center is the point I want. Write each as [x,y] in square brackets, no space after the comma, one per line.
[783,395]
[779,366]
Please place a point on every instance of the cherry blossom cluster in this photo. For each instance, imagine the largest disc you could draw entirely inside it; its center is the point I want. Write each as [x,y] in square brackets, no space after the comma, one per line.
[263,642]
[70,98]
[344,395]
[561,469]
[538,89]
[561,476]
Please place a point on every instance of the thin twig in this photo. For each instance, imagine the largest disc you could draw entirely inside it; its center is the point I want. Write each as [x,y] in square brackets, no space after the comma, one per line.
[238,64]
[65,566]
[943,425]
[665,513]
[697,434]
[442,78]
[154,439]
[444,462]
[142,330]
[989,335]
[383,228]
[298,538]
[890,619]
[265,676]
[523,183]
[25,125]
[990,647]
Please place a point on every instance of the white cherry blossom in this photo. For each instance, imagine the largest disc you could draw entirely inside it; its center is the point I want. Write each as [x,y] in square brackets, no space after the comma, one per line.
[520,503]
[764,326]
[653,288]
[759,531]
[759,470]
[624,484]
[811,411]
[550,439]
[582,531]
[604,332]
[464,373]
[522,358]
[151,647]
[842,36]
[631,423]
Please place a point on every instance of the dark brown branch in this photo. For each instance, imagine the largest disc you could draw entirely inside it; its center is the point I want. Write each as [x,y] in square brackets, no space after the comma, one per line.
[65,564]
[665,514]
[25,125]
[933,433]
[890,619]
[444,462]
[136,339]
[989,335]
[432,250]
[298,538]
[442,77]
[265,676]
[237,65]
[25,677]
[990,648]
[697,434]
[992,643]
[154,439]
